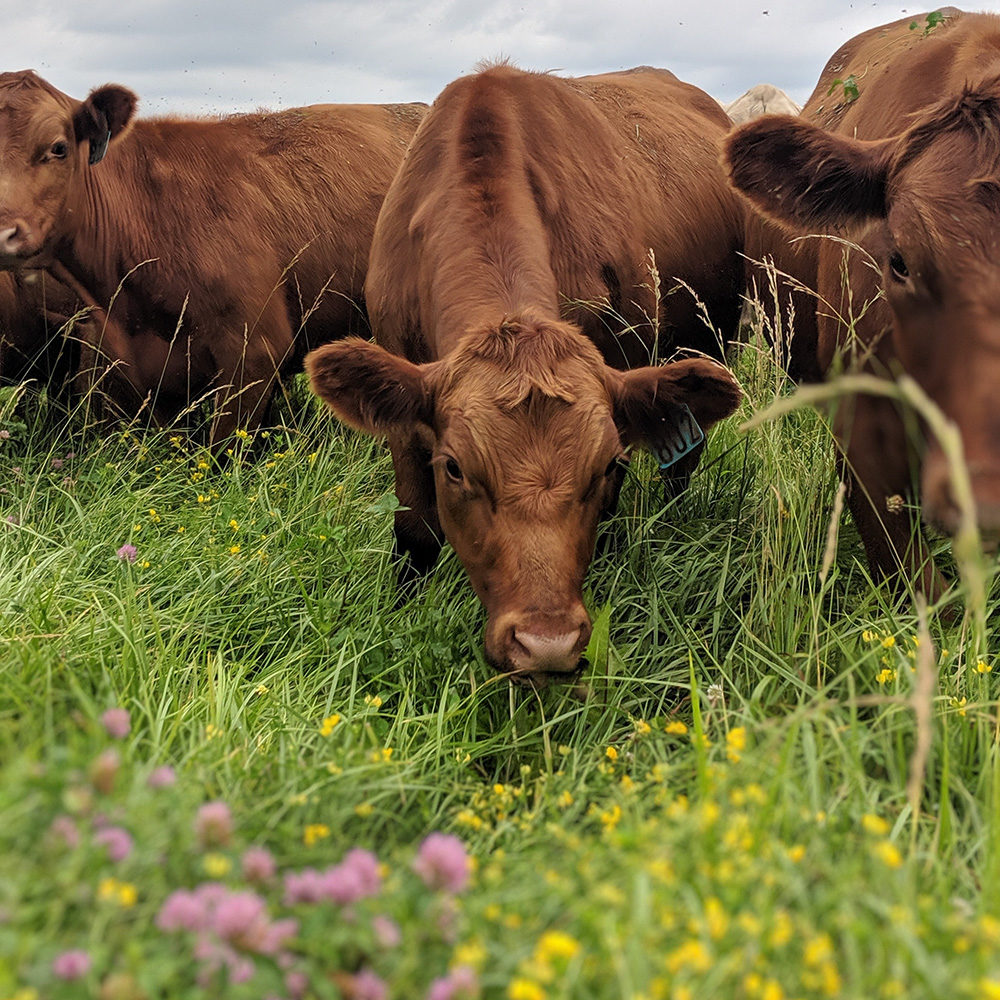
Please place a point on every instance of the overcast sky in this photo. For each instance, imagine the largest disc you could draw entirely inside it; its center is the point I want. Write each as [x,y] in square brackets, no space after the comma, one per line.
[203,56]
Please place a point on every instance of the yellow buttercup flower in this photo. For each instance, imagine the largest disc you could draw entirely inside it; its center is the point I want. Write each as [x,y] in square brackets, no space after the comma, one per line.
[314,832]
[216,865]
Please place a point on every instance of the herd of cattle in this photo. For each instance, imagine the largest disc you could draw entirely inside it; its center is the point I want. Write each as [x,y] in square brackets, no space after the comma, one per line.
[523,253]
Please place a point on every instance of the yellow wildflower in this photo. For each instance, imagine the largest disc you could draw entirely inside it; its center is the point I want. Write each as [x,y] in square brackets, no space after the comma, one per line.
[611,817]
[234,550]
[216,865]
[643,728]
[556,946]
[611,753]
[692,954]
[565,800]
[982,667]
[364,809]
[524,989]
[242,434]
[869,636]
[989,989]
[328,725]
[675,728]
[472,954]
[736,742]
[314,832]
[374,700]
[875,825]
[234,524]
[960,705]
[888,642]
[885,675]
[887,852]
[716,918]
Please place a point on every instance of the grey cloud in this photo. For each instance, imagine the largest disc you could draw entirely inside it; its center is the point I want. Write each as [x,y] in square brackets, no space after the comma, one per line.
[193,57]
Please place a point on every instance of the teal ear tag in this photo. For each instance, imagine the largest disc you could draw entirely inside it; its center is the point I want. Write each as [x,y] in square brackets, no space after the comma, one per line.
[680,436]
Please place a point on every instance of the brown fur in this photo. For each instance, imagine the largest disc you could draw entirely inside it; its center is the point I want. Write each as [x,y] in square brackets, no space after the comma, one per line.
[911,172]
[247,234]
[509,270]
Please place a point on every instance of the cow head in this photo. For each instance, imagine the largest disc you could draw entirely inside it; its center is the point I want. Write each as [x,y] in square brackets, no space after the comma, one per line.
[47,142]
[926,205]
[526,427]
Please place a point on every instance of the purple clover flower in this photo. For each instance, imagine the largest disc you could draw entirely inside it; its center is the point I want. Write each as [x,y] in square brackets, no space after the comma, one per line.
[460,982]
[117,840]
[71,964]
[258,865]
[162,777]
[116,723]
[443,863]
[127,553]
[366,985]
[386,931]
[213,826]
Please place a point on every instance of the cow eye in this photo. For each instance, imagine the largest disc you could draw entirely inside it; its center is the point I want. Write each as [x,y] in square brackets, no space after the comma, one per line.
[453,470]
[58,150]
[897,266]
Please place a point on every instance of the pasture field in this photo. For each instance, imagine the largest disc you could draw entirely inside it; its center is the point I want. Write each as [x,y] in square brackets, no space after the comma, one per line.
[719,810]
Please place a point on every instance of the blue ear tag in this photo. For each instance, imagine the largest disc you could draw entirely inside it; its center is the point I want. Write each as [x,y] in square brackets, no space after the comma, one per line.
[679,437]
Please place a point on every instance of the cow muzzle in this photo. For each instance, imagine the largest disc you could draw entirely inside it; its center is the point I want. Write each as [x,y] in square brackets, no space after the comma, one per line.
[941,507]
[540,644]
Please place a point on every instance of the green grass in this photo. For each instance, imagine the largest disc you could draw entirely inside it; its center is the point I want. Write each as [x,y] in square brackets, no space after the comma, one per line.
[769,850]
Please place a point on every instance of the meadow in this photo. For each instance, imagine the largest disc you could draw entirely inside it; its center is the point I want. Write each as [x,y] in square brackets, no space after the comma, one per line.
[773,781]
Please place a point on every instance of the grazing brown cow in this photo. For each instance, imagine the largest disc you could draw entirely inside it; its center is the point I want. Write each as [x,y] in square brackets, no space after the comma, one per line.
[509,284]
[228,241]
[909,170]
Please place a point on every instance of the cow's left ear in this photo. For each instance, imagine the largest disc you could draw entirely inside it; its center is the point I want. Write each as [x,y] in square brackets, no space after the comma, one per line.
[102,117]
[807,178]
[647,402]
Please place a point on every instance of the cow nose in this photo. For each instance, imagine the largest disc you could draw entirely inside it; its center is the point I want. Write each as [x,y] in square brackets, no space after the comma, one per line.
[12,238]
[548,644]
[546,652]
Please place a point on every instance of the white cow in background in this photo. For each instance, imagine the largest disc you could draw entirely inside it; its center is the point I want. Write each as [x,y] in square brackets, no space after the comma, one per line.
[764,99]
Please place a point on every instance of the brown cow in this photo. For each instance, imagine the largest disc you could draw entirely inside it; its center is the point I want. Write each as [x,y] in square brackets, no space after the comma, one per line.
[510,268]
[910,171]
[223,238]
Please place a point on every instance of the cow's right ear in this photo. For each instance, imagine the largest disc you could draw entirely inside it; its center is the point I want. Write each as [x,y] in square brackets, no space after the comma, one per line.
[369,388]
[102,117]
[805,177]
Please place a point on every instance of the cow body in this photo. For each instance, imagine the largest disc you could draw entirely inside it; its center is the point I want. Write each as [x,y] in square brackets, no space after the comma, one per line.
[909,171]
[509,286]
[227,246]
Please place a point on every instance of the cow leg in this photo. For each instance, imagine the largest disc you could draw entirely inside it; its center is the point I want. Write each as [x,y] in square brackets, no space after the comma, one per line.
[876,466]
[417,528]
[248,370]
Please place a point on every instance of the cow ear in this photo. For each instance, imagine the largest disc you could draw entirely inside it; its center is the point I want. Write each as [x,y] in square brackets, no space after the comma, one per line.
[102,117]
[648,402]
[369,388]
[805,177]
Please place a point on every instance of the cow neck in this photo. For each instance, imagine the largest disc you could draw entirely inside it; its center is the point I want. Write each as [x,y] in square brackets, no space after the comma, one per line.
[98,251]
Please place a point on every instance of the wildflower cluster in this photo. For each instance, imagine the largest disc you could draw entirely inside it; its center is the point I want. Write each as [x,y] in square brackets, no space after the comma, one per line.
[234,918]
